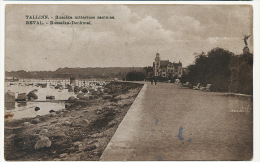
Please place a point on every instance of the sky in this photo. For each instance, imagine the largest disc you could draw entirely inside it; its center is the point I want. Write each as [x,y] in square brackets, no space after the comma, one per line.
[133,38]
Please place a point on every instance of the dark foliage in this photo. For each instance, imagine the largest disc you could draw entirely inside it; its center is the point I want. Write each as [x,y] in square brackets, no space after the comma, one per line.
[162,79]
[79,73]
[148,71]
[215,68]
[245,75]
[135,76]
[212,68]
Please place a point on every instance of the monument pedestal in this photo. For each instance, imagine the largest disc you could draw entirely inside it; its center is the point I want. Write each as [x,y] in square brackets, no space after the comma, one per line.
[246,50]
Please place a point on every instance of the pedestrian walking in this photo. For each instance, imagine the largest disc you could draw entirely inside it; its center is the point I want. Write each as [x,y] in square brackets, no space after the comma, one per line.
[155,80]
[151,80]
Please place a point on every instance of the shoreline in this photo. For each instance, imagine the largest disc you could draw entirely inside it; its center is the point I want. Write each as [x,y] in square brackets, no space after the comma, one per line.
[79,132]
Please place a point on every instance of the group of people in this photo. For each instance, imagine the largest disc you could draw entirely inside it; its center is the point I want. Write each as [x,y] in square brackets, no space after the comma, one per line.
[154,79]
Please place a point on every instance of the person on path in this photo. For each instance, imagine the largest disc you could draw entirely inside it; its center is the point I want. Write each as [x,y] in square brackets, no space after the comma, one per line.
[151,80]
[155,80]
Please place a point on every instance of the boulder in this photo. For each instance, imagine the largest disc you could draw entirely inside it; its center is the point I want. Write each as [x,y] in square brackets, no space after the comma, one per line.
[66,123]
[77,143]
[84,90]
[43,142]
[50,97]
[95,93]
[85,98]
[107,97]
[32,96]
[86,121]
[43,85]
[99,89]
[91,90]
[76,89]
[22,104]
[58,134]
[90,147]
[36,121]
[22,97]
[114,100]
[43,131]
[58,112]
[68,105]
[112,123]
[63,155]
[59,86]
[52,115]
[36,108]
[106,90]
[26,124]
[10,105]
[83,147]
[9,96]
[51,111]
[91,97]
[114,104]
[68,86]
[56,159]
[118,97]
[81,96]
[72,98]
[80,88]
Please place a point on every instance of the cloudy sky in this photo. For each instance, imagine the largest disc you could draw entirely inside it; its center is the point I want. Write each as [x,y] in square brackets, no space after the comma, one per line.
[131,39]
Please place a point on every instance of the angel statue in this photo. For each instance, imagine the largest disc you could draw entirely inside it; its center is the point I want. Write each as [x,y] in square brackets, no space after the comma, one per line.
[246,38]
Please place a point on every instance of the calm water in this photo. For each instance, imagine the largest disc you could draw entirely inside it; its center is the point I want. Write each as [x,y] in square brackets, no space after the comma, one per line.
[26,109]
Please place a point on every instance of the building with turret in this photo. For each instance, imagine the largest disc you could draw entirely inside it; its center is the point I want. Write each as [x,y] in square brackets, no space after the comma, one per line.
[165,68]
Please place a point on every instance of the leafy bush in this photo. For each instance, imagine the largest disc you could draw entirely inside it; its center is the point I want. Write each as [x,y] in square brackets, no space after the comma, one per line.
[212,68]
[135,76]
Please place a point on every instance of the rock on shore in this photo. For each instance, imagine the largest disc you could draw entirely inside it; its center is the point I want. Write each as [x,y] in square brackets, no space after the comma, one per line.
[43,142]
[79,132]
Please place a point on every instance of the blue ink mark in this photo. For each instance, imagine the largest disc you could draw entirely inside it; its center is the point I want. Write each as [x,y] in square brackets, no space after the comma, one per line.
[189,140]
[157,121]
[180,133]
[158,158]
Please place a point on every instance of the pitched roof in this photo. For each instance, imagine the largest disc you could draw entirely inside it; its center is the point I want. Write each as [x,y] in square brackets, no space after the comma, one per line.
[164,62]
[177,64]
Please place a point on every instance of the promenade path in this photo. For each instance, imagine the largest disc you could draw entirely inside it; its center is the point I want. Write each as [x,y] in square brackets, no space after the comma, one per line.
[167,122]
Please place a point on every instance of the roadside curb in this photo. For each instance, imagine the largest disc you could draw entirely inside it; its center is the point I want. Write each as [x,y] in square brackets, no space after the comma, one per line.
[119,146]
[239,95]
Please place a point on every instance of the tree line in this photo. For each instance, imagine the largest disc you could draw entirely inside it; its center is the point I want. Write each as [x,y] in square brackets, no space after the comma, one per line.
[223,69]
[226,71]
[80,73]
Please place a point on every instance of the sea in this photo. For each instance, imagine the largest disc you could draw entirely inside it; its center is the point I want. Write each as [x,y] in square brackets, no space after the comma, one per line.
[26,109]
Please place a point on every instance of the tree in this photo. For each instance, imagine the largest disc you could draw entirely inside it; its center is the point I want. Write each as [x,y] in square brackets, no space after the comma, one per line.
[212,68]
[245,75]
[135,76]
[148,70]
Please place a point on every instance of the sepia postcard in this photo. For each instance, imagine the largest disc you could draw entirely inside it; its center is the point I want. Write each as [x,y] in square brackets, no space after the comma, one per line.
[128,82]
